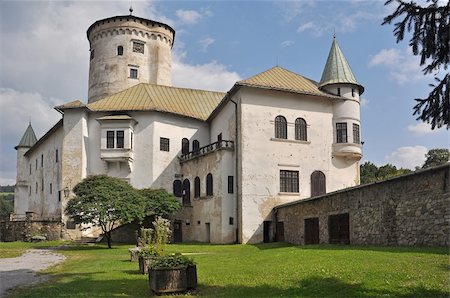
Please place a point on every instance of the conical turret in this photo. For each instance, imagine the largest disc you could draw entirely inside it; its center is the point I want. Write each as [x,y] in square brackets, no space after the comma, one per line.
[337,70]
[28,138]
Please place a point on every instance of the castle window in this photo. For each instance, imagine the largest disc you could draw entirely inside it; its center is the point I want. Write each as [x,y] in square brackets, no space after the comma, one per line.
[56,156]
[133,73]
[36,163]
[177,188]
[92,55]
[29,191]
[289,181]
[318,185]
[197,187]
[119,50]
[300,129]
[30,168]
[42,160]
[131,140]
[51,188]
[164,144]
[138,47]
[195,146]
[280,127]
[341,132]
[110,139]
[356,138]
[186,197]
[353,92]
[219,138]
[59,196]
[230,184]
[36,187]
[339,91]
[42,185]
[209,185]
[184,146]
[120,138]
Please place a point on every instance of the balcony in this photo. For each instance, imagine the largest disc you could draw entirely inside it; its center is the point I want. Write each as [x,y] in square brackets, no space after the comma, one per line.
[216,146]
[118,155]
[347,150]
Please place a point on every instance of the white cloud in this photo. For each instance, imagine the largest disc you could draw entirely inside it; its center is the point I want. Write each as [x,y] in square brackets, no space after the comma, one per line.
[205,43]
[408,157]
[423,128]
[287,43]
[403,66]
[189,17]
[210,76]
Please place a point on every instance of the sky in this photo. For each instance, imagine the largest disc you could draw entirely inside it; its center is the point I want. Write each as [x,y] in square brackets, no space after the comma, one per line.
[44,60]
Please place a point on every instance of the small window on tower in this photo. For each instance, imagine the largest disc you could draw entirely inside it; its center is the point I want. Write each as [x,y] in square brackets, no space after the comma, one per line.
[339,91]
[119,50]
[138,47]
[133,73]
[353,92]
[163,144]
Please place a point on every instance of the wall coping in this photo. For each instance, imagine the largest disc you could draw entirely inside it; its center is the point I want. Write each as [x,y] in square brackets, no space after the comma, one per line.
[418,172]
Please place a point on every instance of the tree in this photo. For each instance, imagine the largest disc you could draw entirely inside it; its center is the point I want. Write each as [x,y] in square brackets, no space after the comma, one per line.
[105,202]
[159,202]
[371,173]
[436,157]
[6,205]
[430,39]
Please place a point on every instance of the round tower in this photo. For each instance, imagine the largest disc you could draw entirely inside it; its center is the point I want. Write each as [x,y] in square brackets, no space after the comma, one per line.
[338,79]
[125,51]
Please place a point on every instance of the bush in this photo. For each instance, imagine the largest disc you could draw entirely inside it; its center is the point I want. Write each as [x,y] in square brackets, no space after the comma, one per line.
[172,261]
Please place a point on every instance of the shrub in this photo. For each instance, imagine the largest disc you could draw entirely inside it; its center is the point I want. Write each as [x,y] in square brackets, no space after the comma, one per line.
[172,261]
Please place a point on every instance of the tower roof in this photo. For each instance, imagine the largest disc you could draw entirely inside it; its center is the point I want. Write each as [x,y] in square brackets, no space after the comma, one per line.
[28,138]
[337,70]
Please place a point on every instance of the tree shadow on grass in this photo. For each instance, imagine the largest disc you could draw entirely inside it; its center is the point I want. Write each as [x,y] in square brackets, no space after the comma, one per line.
[317,287]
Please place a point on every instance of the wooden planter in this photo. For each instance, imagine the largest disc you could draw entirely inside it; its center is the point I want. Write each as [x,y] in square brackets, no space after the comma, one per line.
[172,280]
[144,263]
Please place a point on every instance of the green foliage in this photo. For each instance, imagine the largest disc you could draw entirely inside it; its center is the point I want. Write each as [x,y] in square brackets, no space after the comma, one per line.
[430,39]
[160,202]
[6,205]
[7,188]
[371,173]
[154,240]
[148,251]
[105,202]
[436,157]
[172,261]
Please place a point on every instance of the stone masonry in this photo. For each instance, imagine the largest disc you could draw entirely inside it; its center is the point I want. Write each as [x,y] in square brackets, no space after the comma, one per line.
[410,210]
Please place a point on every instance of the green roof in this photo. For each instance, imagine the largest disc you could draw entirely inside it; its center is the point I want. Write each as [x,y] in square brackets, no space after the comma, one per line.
[337,70]
[28,139]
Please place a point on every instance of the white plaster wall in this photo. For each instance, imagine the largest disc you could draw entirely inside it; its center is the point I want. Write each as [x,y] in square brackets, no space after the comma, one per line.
[43,201]
[262,156]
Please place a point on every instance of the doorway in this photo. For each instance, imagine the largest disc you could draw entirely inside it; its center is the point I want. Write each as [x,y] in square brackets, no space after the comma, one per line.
[177,231]
[339,229]
[312,231]
[266,231]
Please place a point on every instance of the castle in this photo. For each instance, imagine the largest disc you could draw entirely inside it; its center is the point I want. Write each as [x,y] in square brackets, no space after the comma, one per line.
[273,138]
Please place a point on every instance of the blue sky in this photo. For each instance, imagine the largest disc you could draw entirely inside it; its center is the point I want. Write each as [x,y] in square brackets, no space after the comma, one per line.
[45,56]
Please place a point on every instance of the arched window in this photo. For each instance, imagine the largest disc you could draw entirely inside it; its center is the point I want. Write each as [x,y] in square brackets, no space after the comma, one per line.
[177,188]
[318,184]
[209,185]
[184,146]
[119,50]
[195,146]
[300,129]
[186,195]
[280,127]
[197,187]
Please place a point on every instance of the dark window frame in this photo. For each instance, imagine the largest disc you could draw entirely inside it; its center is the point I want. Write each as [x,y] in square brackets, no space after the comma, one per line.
[318,184]
[197,187]
[230,184]
[133,73]
[339,91]
[56,156]
[110,139]
[120,51]
[289,181]
[341,132]
[184,146]
[186,193]
[356,134]
[280,127]
[120,139]
[195,146]
[209,185]
[164,144]
[42,160]
[301,132]
[177,188]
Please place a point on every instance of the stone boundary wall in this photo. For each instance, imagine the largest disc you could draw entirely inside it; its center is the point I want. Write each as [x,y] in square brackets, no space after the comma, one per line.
[24,230]
[410,210]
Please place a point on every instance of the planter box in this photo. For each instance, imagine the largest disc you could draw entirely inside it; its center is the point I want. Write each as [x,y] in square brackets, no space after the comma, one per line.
[172,280]
[134,253]
[144,263]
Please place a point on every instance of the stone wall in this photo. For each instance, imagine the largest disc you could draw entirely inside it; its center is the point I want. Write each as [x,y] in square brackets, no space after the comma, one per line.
[413,209]
[24,230]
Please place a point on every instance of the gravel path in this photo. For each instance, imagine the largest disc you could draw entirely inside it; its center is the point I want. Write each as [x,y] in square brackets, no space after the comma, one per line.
[22,270]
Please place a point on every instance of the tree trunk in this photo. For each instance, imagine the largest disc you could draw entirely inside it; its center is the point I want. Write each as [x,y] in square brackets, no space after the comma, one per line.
[108,238]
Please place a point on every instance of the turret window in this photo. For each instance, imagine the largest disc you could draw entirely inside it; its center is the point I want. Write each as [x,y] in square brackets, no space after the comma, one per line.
[353,92]
[339,91]
[280,127]
[341,132]
[119,50]
[133,73]
[356,138]
[300,129]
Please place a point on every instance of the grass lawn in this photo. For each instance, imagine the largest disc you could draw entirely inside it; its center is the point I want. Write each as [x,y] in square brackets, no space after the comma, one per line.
[265,270]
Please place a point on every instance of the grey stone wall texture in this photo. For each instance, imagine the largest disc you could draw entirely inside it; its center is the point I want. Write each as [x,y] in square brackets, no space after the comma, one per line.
[410,210]
[24,230]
